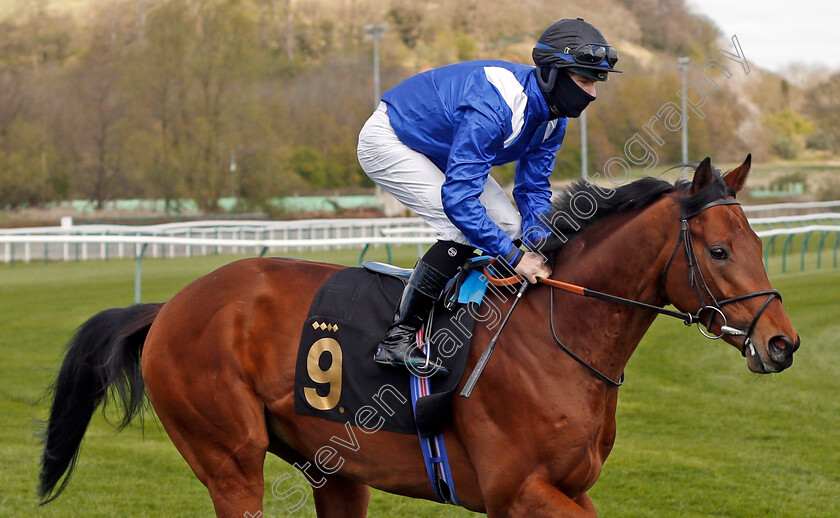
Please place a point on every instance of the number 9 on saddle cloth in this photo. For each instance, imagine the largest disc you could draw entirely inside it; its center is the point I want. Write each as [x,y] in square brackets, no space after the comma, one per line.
[334,376]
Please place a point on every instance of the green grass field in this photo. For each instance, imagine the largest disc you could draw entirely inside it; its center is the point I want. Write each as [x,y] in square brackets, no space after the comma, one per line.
[698,435]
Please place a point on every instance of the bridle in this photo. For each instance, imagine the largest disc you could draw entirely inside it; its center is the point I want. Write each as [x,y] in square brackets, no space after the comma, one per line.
[708,303]
[696,280]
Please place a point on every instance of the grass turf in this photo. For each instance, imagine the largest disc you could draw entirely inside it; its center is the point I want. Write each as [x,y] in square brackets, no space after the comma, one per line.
[698,435]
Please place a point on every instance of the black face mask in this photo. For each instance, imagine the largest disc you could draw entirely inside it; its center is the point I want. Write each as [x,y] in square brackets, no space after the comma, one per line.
[566,98]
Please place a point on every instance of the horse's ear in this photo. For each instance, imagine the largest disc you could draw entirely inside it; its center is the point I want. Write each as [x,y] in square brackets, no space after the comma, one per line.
[702,176]
[737,177]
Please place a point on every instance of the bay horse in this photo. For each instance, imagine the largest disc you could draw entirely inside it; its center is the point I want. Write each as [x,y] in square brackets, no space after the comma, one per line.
[217,360]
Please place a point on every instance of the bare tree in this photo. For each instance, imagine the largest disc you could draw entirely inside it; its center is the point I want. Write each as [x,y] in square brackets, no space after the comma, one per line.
[94,127]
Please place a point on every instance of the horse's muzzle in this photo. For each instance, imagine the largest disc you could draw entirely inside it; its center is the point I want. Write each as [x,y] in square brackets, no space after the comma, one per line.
[781,349]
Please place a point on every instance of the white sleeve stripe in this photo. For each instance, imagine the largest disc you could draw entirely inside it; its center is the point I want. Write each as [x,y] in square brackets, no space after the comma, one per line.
[513,94]
[549,129]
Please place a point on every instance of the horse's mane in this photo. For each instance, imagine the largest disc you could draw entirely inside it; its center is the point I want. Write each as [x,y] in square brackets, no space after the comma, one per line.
[572,211]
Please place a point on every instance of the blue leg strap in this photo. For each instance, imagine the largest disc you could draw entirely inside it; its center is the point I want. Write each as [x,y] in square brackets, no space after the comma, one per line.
[434,450]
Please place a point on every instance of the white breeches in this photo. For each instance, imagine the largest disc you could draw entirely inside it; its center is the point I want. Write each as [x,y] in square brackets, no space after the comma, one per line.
[416,181]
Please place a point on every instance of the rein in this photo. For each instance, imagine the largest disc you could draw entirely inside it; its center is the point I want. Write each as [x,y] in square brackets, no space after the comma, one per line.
[694,273]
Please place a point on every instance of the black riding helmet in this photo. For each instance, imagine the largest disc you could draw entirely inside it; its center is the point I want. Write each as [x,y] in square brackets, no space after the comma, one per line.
[574,45]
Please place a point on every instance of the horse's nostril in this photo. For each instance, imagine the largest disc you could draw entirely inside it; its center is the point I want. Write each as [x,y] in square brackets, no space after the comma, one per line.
[781,348]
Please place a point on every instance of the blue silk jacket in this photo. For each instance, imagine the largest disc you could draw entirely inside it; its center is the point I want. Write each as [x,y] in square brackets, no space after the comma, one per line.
[469,117]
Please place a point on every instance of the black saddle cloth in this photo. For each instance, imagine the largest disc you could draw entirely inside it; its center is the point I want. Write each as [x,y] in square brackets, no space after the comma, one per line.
[336,377]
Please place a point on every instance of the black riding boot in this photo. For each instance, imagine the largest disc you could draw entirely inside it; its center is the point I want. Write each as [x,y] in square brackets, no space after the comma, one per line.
[399,346]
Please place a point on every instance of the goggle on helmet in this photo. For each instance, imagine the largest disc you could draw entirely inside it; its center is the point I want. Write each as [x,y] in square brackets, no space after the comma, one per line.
[575,45]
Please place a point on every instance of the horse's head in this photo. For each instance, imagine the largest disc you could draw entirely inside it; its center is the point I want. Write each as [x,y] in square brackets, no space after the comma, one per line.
[717,273]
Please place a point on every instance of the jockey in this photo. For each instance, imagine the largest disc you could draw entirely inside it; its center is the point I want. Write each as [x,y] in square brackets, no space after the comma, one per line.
[433,139]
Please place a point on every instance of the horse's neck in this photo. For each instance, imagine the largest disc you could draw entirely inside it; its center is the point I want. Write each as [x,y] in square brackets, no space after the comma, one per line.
[622,257]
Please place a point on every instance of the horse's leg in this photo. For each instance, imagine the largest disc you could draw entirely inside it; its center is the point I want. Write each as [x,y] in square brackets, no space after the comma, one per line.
[219,429]
[341,498]
[335,496]
[227,455]
[586,503]
[537,498]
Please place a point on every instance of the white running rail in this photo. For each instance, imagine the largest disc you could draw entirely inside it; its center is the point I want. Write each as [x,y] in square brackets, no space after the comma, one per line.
[187,239]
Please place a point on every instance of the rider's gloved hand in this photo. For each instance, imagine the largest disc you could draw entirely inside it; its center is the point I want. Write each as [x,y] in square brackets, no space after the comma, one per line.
[532,266]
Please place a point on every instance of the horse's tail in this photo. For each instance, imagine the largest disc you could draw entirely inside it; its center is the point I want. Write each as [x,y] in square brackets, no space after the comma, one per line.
[102,363]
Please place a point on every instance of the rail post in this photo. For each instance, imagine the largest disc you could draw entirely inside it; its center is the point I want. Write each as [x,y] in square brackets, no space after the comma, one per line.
[836,243]
[820,249]
[804,249]
[784,252]
[139,250]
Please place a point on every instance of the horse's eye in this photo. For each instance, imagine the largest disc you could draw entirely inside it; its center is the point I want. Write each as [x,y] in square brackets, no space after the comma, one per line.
[719,253]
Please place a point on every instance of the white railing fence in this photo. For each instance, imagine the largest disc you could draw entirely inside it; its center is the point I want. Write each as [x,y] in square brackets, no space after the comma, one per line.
[790,209]
[193,238]
[187,239]
[85,242]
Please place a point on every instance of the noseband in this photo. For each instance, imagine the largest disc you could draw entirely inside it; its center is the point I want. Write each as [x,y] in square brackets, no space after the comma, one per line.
[708,303]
